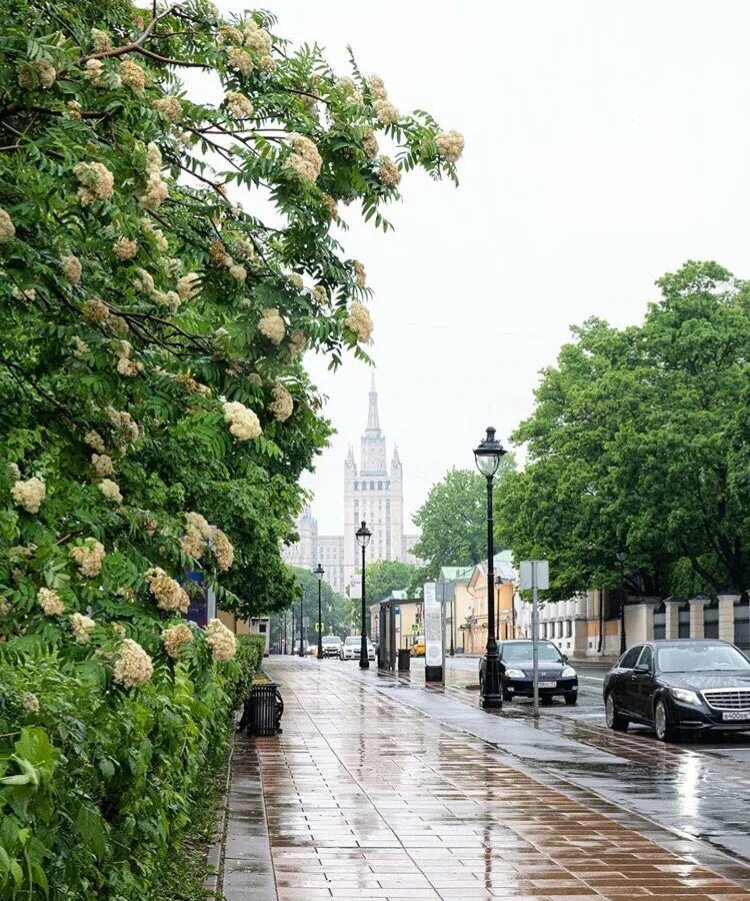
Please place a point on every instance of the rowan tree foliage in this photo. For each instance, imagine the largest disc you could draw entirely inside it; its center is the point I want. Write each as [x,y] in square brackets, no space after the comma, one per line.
[385,576]
[638,446]
[165,259]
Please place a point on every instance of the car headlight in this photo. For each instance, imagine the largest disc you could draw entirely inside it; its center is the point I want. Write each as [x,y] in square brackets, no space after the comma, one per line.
[687,697]
[568,672]
[515,674]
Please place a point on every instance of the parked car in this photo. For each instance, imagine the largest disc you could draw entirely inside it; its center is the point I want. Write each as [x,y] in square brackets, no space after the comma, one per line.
[331,645]
[679,687]
[418,649]
[556,676]
[351,647]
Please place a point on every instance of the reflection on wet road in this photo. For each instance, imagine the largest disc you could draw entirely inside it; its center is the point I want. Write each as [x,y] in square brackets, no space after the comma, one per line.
[367,798]
[701,788]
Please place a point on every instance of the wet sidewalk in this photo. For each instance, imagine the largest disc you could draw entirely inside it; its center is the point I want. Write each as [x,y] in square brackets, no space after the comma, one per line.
[363,797]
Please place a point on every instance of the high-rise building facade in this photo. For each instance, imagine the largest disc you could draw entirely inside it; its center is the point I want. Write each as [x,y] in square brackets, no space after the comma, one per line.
[373,492]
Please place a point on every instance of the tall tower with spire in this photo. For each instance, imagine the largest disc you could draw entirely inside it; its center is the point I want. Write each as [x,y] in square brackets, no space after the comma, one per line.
[373,491]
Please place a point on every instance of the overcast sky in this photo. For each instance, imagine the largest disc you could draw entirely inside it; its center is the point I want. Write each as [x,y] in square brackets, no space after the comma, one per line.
[606,143]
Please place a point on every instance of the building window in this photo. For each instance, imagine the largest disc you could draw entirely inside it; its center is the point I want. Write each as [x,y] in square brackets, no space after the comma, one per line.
[372,486]
[380,486]
[355,485]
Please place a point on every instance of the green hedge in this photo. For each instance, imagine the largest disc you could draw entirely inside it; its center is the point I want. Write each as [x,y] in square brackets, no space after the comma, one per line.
[97,782]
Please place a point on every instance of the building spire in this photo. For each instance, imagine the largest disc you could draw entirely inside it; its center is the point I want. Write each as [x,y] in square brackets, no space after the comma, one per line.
[373,421]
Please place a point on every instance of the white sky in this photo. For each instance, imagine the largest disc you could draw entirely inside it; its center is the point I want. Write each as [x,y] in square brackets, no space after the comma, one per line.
[606,143]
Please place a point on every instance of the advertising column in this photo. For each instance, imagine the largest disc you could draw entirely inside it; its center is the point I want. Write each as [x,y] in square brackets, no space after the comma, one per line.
[433,634]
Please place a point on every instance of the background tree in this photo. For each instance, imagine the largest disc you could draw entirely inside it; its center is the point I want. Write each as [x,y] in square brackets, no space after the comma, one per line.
[453,519]
[386,576]
[638,445]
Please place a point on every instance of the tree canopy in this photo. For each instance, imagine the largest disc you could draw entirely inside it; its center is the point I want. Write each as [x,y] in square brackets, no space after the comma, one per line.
[453,519]
[385,576]
[165,260]
[638,448]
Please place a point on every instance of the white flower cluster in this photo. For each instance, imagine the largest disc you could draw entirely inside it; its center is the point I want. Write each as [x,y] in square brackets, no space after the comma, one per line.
[125,366]
[297,342]
[132,75]
[223,551]
[220,640]
[103,466]
[29,494]
[370,145]
[189,286]
[271,325]
[71,269]
[7,229]
[245,248]
[385,111]
[30,702]
[388,172]
[349,91]
[38,74]
[197,533]
[50,602]
[96,311]
[96,182]
[221,257]
[305,158]
[360,277]
[98,75]
[450,145]
[88,557]
[359,322]
[124,422]
[80,348]
[155,234]
[319,294]
[239,105]
[95,441]
[243,423]
[125,249]
[111,490]
[239,60]
[26,294]
[175,638]
[331,207]
[134,667]
[170,107]
[156,188]
[168,592]
[100,40]
[282,405]
[257,38]
[82,626]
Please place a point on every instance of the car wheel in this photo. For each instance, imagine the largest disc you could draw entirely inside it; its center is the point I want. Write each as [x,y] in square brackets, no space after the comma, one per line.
[571,699]
[507,696]
[545,700]
[665,731]
[614,720]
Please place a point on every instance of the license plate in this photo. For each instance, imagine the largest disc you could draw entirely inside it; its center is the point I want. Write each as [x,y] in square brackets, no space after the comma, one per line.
[548,684]
[737,715]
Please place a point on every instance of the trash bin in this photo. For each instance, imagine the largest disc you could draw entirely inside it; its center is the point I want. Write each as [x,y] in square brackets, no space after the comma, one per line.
[404,660]
[263,711]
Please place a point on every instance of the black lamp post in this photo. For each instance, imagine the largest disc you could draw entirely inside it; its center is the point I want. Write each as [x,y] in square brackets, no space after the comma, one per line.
[487,456]
[301,624]
[319,573]
[363,539]
[623,641]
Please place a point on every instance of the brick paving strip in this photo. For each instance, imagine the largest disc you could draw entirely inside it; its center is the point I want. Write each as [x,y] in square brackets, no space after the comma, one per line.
[364,798]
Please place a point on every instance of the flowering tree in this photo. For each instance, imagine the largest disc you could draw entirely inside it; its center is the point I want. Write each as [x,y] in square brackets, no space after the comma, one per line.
[165,262]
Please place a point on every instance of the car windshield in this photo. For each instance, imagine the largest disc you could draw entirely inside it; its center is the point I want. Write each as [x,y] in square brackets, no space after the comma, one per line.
[523,650]
[353,639]
[331,639]
[696,658]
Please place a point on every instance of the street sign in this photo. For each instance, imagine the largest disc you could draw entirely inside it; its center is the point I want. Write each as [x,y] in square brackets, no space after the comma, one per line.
[415,627]
[535,575]
[527,574]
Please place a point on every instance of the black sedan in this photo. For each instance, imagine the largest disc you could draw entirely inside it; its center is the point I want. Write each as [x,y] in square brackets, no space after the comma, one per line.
[556,677]
[679,687]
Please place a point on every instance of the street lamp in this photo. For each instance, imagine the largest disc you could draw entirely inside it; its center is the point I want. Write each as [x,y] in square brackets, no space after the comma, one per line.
[621,559]
[363,539]
[301,624]
[319,573]
[487,456]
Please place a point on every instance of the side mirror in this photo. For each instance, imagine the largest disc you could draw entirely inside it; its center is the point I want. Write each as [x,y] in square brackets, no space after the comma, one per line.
[642,668]
[564,658]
